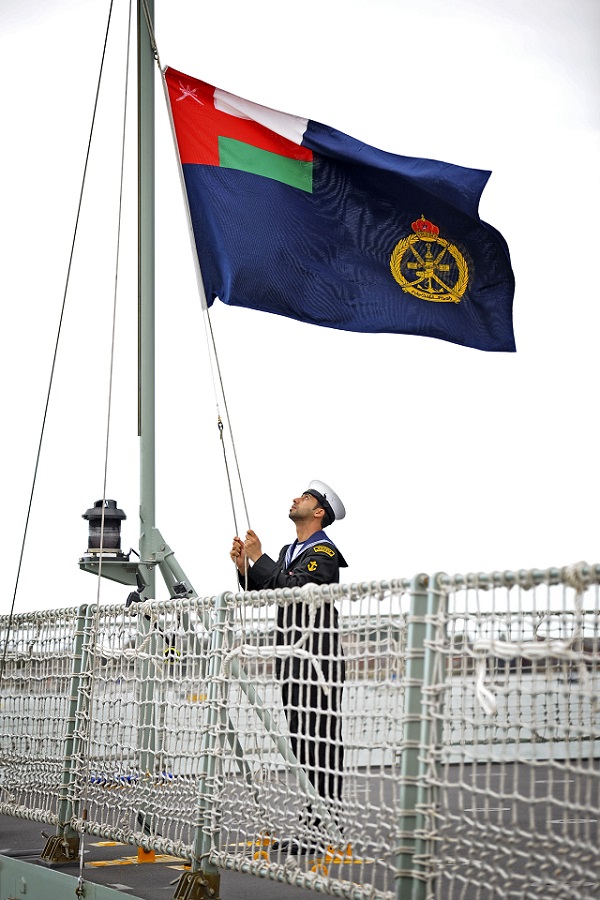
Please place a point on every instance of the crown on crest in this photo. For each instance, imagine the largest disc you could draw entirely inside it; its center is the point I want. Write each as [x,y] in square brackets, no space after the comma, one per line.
[426,230]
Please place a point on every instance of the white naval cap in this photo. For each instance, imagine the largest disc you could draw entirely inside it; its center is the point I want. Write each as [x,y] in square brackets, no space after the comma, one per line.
[328,499]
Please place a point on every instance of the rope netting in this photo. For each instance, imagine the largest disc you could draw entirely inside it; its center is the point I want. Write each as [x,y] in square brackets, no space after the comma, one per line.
[517,764]
[342,738]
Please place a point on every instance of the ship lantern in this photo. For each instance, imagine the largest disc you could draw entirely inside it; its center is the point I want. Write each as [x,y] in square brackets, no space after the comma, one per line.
[111,539]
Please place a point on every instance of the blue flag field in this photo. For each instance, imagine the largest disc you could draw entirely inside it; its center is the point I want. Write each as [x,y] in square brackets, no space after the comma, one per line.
[295,218]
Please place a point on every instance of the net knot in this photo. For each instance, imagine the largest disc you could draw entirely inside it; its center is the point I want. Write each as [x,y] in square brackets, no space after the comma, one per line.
[577,576]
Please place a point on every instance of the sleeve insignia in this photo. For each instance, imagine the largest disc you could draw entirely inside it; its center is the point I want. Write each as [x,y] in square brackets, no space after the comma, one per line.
[323,548]
[312,565]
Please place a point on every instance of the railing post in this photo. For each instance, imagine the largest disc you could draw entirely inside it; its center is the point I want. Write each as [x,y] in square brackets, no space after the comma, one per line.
[145,663]
[204,879]
[431,730]
[412,867]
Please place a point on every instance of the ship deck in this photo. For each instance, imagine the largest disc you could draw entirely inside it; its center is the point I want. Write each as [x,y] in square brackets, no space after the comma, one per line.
[528,807]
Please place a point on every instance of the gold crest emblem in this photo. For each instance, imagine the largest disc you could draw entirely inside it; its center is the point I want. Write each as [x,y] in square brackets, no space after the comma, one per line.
[312,565]
[428,266]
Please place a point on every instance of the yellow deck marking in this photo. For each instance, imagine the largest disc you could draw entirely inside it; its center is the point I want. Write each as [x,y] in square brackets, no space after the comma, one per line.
[129,861]
[332,856]
[107,844]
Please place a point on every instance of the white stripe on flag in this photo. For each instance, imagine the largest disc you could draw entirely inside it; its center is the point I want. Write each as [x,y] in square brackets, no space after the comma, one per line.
[288,126]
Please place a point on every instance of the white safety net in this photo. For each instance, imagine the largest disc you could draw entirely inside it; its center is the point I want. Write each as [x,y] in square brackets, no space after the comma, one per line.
[321,732]
[440,736]
[38,662]
[517,763]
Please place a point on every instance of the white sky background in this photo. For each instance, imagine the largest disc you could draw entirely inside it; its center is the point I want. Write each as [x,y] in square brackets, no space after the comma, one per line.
[446,458]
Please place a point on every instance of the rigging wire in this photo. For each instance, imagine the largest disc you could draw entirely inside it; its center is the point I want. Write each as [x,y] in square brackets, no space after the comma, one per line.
[150,27]
[93,650]
[55,352]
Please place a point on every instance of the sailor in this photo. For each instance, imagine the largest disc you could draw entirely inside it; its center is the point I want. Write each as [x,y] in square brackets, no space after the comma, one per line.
[312,678]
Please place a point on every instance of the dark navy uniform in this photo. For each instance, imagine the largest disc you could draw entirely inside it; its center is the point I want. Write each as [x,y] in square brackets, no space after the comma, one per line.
[313,712]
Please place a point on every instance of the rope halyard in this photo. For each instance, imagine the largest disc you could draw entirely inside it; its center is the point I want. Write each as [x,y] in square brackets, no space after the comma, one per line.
[226,463]
[220,426]
[212,346]
[229,426]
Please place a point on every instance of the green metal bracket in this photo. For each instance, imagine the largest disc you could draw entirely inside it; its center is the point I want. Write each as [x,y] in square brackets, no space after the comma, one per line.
[173,575]
[60,851]
[122,571]
[136,572]
[198,886]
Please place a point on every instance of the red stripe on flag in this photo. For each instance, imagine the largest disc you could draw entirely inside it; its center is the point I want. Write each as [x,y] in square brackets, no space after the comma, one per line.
[198,125]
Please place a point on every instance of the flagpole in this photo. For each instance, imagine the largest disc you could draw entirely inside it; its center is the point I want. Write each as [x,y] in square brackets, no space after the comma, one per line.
[146,294]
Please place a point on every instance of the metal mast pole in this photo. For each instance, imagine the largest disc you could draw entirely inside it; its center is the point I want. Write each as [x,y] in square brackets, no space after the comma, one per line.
[146,326]
[154,551]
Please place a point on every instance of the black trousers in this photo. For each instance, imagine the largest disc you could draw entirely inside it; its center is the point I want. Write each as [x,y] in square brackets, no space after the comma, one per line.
[313,707]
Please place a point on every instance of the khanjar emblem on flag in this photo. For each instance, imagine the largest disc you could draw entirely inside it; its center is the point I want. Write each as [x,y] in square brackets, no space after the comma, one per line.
[428,266]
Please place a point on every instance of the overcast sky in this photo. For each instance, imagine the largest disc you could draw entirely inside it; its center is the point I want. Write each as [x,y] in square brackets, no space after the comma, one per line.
[446,458]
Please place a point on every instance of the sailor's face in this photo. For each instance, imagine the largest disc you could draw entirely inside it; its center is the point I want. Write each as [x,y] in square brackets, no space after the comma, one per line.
[303,506]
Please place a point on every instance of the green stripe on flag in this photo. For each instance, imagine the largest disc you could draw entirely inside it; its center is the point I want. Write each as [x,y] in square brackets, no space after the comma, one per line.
[247,158]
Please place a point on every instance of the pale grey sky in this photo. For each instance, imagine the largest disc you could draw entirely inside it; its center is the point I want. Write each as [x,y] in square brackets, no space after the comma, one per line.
[446,458]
